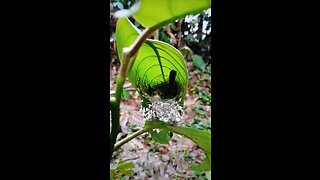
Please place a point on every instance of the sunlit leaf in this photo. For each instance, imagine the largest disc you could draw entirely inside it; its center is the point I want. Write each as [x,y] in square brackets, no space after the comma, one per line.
[161,12]
[126,34]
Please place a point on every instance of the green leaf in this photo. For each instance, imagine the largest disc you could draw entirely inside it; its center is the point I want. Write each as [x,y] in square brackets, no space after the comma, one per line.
[125,94]
[154,61]
[123,169]
[205,97]
[162,137]
[134,128]
[126,34]
[196,120]
[123,165]
[208,70]
[186,50]
[200,137]
[200,112]
[159,13]
[198,62]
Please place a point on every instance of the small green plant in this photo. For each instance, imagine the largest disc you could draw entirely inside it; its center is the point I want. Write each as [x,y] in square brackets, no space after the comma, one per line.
[201,175]
[205,97]
[122,169]
[198,62]
[134,128]
[153,147]
[197,124]
[199,110]
[158,72]
[114,154]
[186,154]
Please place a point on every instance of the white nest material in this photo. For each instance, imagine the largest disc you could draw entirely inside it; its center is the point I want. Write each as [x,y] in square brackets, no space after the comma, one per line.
[167,110]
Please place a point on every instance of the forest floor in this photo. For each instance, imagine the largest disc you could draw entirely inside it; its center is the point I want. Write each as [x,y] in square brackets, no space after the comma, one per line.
[153,160]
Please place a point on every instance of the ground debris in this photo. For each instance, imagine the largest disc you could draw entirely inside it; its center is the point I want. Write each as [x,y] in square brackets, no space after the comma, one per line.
[153,160]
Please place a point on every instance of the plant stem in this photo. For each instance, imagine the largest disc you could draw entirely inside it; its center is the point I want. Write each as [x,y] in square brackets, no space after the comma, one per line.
[141,39]
[125,67]
[129,138]
[113,102]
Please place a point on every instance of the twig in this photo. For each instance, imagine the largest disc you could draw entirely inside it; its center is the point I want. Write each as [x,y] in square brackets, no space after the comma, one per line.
[129,138]
[169,32]
[129,159]
[180,40]
[197,98]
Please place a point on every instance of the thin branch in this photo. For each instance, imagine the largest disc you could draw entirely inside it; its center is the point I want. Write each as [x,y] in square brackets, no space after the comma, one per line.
[129,138]
[141,39]
[169,32]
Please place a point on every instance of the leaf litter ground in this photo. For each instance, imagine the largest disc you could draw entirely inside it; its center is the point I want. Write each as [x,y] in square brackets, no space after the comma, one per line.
[151,159]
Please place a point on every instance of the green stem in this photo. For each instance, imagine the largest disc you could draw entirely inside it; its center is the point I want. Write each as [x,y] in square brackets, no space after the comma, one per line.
[125,67]
[113,102]
[115,108]
[129,138]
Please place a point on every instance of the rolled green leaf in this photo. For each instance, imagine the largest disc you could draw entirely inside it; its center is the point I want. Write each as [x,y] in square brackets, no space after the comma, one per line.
[154,63]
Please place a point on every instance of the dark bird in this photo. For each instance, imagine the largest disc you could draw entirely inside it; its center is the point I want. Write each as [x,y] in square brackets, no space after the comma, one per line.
[172,78]
[166,90]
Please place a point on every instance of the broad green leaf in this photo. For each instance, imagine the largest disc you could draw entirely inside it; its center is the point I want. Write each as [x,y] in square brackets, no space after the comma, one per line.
[162,137]
[200,137]
[126,34]
[198,62]
[154,62]
[157,13]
